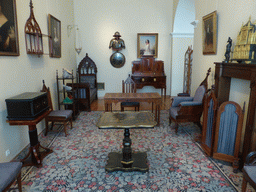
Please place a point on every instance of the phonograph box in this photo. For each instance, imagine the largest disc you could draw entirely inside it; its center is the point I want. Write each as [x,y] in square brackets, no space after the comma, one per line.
[26,106]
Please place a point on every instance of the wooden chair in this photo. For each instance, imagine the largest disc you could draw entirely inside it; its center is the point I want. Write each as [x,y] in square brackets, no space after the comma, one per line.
[209,122]
[228,132]
[9,172]
[189,109]
[129,86]
[63,116]
[249,171]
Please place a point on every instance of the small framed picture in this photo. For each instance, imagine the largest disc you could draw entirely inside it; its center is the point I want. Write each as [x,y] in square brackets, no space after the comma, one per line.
[147,44]
[210,33]
[9,41]
[55,36]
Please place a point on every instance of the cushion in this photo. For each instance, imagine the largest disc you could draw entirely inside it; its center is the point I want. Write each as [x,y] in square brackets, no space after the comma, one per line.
[177,100]
[251,171]
[9,171]
[190,103]
[127,104]
[61,113]
[199,94]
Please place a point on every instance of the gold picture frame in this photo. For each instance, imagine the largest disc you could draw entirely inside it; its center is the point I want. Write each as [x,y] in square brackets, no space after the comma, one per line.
[147,44]
[9,40]
[210,33]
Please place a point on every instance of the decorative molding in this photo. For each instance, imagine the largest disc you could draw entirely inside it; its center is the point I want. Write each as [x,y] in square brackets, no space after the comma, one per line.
[183,35]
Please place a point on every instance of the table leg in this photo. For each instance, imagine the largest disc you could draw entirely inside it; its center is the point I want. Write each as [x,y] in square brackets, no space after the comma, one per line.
[127,161]
[157,114]
[108,107]
[127,150]
[36,155]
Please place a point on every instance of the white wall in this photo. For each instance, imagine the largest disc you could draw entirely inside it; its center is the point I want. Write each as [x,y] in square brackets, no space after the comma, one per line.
[231,15]
[99,20]
[25,73]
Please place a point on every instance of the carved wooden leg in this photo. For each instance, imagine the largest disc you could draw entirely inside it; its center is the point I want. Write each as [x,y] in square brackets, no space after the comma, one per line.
[244,185]
[176,126]
[46,127]
[19,182]
[236,165]
[71,123]
[65,129]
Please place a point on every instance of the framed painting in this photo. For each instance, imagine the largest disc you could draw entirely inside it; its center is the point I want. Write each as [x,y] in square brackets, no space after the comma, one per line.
[9,41]
[147,44]
[55,36]
[210,33]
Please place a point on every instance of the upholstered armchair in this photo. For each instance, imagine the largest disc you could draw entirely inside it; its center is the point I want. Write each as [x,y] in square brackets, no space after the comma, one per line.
[189,109]
[249,171]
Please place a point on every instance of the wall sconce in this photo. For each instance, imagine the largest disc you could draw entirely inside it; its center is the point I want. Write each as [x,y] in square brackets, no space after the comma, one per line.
[194,23]
[78,43]
[33,34]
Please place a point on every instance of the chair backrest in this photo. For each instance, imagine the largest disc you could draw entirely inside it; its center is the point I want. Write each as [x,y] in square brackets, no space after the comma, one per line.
[87,72]
[47,90]
[128,86]
[202,89]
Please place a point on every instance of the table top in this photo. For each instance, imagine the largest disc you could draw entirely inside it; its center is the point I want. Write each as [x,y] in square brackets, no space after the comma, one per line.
[127,119]
[132,95]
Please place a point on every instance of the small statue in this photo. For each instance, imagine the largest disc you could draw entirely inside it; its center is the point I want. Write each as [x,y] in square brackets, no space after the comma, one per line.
[116,43]
[228,50]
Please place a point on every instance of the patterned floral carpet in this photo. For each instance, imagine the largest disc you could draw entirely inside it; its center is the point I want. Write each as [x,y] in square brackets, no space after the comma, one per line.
[176,162]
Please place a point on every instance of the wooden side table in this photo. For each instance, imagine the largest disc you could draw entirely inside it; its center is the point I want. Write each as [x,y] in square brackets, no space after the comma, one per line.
[127,160]
[36,152]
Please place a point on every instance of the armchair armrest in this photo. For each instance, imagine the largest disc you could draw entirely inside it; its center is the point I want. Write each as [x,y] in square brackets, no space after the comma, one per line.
[190,103]
[251,158]
[177,100]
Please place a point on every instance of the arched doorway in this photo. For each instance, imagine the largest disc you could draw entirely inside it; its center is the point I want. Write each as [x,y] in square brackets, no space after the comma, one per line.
[182,37]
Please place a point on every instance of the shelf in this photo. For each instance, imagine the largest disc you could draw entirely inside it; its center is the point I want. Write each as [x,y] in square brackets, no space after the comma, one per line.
[62,94]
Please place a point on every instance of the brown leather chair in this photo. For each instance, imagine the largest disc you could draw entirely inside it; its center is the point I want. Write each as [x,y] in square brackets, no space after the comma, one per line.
[249,171]
[129,86]
[63,116]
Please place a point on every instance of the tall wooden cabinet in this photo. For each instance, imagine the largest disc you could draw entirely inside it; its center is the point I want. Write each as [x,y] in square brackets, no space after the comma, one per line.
[223,74]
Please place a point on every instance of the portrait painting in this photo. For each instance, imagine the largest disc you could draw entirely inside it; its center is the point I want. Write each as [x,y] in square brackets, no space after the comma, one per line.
[9,41]
[147,44]
[55,36]
[210,33]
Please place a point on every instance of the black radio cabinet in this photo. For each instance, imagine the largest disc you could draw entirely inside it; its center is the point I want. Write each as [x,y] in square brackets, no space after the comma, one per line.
[26,106]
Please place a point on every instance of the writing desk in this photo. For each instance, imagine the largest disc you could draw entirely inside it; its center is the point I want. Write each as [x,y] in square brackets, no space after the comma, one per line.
[36,152]
[153,98]
[127,160]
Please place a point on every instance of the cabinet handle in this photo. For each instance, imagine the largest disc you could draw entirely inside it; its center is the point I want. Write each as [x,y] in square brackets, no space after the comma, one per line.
[154,79]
